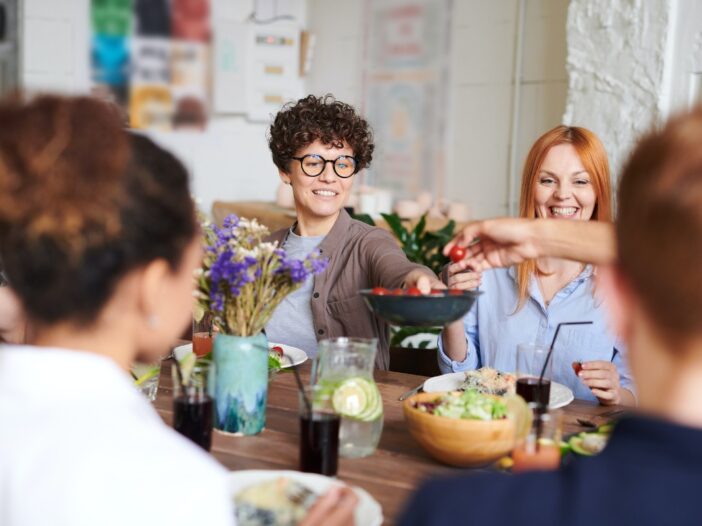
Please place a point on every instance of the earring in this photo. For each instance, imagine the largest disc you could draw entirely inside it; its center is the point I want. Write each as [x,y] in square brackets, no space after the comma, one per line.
[153,321]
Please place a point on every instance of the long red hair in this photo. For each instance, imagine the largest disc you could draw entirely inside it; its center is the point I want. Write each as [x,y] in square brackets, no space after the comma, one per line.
[594,158]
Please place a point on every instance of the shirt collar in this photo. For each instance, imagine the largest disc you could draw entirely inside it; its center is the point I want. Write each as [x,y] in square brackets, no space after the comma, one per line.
[587,272]
[535,291]
[331,241]
[337,235]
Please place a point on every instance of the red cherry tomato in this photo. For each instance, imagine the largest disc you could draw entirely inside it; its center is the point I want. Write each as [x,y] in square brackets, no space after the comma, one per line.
[455,292]
[398,292]
[437,291]
[457,253]
[277,349]
[414,291]
[577,367]
[380,291]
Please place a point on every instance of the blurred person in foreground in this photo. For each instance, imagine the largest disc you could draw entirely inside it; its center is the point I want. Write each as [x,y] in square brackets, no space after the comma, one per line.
[99,241]
[651,470]
[566,178]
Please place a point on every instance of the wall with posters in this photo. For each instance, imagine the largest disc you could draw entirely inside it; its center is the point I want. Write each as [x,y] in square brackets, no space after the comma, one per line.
[483,38]
[229,160]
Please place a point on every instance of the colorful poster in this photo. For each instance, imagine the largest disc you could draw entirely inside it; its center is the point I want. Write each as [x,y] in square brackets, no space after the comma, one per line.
[153,57]
[150,98]
[111,26]
[406,93]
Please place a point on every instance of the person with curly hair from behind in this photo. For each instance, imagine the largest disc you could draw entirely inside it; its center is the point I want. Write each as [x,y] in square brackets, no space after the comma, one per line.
[318,145]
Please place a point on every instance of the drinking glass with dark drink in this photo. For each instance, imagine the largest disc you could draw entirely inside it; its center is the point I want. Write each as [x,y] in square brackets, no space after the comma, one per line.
[192,403]
[533,380]
[540,449]
[319,432]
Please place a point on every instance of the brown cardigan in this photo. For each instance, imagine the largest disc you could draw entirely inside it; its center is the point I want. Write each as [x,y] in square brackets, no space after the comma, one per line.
[360,257]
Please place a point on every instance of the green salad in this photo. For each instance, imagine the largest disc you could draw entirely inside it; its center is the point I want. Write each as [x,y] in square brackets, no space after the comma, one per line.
[470,405]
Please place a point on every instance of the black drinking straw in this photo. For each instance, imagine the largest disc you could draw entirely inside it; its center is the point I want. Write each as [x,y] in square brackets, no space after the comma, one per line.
[301,387]
[541,407]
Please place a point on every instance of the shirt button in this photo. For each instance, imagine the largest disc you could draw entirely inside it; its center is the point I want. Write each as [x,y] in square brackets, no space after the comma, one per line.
[320,331]
[315,295]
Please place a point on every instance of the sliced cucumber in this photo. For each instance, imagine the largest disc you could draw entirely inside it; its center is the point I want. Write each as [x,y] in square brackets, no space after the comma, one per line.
[576,446]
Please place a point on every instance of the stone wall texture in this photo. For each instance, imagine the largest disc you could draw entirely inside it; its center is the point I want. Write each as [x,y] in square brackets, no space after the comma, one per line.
[616,64]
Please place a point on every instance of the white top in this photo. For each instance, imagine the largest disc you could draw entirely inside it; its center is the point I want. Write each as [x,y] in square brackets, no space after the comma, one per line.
[80,446]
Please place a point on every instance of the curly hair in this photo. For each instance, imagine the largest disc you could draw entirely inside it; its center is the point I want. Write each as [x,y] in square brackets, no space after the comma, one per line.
[82,203]
[326,119]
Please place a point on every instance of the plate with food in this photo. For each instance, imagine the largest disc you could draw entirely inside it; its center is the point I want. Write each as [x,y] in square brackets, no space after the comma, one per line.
[491,381]
[411,307]
[277,498]
[281,356]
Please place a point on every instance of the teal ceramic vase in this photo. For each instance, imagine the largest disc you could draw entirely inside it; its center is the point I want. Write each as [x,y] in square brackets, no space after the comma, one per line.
[241,383]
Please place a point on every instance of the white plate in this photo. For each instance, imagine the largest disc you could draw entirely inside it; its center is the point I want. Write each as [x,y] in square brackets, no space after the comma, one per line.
[296,355]
[560,394]
[368,511]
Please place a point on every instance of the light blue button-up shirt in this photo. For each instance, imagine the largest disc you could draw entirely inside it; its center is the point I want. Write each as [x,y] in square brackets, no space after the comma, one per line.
[493,329]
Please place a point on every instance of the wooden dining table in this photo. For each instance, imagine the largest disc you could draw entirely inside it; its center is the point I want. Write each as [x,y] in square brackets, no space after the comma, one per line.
[390,475]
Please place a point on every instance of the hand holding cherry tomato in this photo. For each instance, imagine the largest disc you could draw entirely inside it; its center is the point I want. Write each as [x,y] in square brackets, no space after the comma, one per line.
[457,253]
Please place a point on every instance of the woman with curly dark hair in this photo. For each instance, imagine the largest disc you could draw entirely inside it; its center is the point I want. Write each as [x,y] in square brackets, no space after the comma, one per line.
[318,145]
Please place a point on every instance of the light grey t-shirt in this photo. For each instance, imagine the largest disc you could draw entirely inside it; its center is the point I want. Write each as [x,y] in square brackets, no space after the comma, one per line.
[291,322]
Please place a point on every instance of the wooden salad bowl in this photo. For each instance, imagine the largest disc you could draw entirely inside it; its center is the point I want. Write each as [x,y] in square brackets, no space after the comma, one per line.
[458,442]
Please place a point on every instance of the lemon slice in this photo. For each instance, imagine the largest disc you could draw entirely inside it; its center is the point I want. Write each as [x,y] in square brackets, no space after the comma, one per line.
[186,363]
[144,372]
[358,398]
[350,398]
[518,410]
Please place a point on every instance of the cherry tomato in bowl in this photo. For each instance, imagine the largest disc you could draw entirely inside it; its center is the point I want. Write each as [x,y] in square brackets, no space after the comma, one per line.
[380,291]
[414,291]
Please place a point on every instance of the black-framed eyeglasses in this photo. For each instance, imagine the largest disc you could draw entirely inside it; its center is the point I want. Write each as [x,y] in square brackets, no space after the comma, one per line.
[313,165]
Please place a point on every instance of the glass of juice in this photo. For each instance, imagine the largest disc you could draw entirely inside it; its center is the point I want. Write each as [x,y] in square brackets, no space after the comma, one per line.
[540,449]
[319,432]
[530,365]
[193,409]
[203,335]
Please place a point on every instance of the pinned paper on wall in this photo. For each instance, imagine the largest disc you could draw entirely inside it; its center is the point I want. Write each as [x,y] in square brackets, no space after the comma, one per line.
[153,57]
[229,67]
[406,92]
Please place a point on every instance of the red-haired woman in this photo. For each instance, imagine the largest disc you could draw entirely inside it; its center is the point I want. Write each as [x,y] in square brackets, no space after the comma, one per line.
[566,177]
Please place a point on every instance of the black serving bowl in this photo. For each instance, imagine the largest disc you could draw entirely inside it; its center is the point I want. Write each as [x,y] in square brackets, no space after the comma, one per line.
[428,310]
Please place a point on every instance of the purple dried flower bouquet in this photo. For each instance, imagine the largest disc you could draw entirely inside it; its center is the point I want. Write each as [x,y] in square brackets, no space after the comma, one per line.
[243,278]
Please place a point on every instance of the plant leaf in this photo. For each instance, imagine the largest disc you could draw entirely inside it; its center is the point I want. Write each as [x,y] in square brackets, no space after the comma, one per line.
[419,227]
[395,223]
[364,218]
